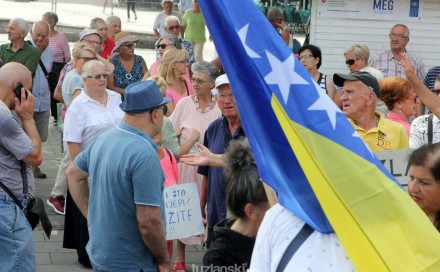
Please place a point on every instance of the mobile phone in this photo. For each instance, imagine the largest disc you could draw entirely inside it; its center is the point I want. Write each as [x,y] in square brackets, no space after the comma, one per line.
[17,90]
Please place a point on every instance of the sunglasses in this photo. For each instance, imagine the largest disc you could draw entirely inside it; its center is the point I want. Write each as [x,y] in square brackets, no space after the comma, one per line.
[163,46]
[181,61]
[98,76]
[129,46]
[436,91]
[350,61]
[86,59]
[172,28]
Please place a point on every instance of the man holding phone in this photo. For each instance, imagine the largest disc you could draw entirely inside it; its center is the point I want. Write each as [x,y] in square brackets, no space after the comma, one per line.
[20,148]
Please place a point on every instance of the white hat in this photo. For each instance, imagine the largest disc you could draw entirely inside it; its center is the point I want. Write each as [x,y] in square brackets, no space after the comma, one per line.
[88,31]
[221,80]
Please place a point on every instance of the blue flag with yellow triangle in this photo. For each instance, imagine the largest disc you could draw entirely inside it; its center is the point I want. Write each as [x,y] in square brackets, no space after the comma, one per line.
[309,153]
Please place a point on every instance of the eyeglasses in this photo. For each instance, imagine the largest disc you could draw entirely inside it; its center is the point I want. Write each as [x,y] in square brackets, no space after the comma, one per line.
[224,96]
[397,36]
[163,46]
[86,59]
[176,27]
[198,81]
[414,97]
[98,76]
[306,57]
[129,46]
[350,61]
[181,61]
[95,42]
[436,91]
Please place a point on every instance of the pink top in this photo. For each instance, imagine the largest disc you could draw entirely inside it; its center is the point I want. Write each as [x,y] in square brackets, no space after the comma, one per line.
[184,118]
[399,119]
[169,167]
[154,68]
[175,96]
[60,47]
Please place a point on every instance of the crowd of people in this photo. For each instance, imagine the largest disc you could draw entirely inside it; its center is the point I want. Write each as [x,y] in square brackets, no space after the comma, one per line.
[130,128]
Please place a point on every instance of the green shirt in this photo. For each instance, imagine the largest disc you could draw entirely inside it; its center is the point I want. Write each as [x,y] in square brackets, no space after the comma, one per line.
[26,55]
[194,26]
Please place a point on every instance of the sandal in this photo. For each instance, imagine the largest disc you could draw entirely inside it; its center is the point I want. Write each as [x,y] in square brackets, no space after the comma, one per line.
[180,266]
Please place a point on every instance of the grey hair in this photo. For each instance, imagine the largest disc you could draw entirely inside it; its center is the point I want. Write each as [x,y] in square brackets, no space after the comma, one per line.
[52,16]
[360,51]
[405,27]
[207,68]
[112,18]
[170,19]
[96,20]
[174,40]
[22,24]
[274,13]
[34,25]
[89,66]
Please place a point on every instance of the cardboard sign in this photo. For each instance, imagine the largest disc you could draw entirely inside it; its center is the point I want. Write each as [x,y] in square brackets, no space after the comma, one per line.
[182,211]
[396,161]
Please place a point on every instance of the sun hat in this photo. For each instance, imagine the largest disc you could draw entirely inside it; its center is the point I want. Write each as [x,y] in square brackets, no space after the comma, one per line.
[123,37]
[366,78]
[142,96]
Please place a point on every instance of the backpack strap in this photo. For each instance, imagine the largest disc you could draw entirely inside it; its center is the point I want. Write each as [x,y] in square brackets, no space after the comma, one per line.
[430,127]
[296,243]
[169,154]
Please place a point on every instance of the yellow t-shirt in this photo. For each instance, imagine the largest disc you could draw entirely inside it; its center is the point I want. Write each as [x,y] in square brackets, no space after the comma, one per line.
[387,135]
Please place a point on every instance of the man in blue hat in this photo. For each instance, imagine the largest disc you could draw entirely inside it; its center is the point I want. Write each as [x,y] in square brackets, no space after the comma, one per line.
[124,205]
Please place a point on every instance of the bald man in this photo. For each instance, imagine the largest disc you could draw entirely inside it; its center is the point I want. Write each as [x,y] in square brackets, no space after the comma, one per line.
[20,148]
[40,87]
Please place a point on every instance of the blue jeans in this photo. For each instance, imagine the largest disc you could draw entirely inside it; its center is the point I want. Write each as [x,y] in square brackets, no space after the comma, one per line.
[17,246]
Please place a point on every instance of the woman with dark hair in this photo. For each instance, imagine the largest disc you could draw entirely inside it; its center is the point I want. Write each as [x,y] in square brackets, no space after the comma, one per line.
[398,94]
[234,238]
[311,58]
[424,180]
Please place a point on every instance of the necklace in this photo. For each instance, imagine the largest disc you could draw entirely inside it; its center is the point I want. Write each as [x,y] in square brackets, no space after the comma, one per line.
[210,106]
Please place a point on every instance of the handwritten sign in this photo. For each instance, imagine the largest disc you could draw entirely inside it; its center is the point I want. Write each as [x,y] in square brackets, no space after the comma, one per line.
[182,211]
[396,161]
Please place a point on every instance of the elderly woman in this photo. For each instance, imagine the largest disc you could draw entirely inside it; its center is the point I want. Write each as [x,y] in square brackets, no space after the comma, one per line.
[247,201]
[398,94]
[94,111]
[424,182]
[173,69]
[162,44]
[356,57]
[129,67]
[311,58]
[194,112]
[61,55]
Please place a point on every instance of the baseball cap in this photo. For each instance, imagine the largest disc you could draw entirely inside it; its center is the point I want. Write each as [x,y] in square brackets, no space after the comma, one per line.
[88,31]
[221,80]
[366,78]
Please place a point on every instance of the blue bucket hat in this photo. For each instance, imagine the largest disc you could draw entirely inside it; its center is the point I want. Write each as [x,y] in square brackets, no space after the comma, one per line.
[142,96]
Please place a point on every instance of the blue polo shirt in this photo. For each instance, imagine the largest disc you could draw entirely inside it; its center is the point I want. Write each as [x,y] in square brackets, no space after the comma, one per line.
[124,171]
[217,138]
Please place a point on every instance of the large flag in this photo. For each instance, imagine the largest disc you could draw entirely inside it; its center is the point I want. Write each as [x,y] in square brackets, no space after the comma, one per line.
[310,154]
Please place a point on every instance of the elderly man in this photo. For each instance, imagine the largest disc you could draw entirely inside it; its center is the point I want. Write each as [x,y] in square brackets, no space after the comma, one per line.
[113,26]
[217,138]
[389,62]
[172,27]
[56,199]
[159,22]
[359,97]
[101,26]
[40,86]
[18,50]
[20,148]
[125,212]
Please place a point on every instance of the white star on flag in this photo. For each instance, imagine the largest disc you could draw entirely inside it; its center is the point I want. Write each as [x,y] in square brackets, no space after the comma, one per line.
[242,34]
[323,103]
[283,74]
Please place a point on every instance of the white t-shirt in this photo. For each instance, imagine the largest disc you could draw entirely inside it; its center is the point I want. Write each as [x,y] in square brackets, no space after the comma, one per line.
[320,252]
[160,21]
[86,119]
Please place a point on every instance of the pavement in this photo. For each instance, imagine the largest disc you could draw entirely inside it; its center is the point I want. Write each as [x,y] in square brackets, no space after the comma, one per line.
[50,254]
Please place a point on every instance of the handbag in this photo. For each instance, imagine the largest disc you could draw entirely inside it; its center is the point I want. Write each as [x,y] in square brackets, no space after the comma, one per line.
[35,211]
